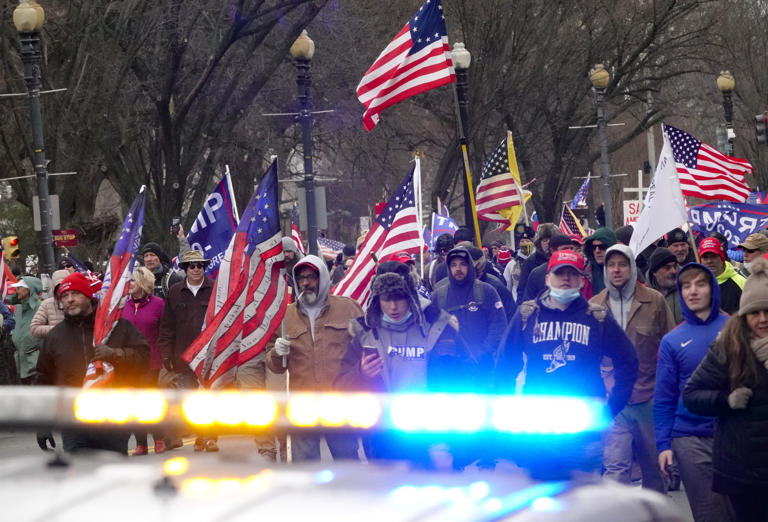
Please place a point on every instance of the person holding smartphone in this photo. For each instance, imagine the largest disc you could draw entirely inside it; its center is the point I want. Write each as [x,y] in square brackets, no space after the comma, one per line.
[400,346]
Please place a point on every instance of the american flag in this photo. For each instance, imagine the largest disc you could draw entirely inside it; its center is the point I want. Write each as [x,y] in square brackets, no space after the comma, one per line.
[295,234]
[705,172]
[118,275]
[580,198]
[396,228]
[90,276]
[329,248]
[569,225]
[250,294]
[417,60]
[499,183]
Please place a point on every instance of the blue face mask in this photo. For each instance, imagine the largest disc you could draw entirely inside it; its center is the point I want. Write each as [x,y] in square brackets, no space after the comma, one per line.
[387,319]
[564,295]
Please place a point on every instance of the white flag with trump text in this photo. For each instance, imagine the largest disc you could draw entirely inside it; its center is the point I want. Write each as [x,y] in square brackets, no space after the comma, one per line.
[664,206]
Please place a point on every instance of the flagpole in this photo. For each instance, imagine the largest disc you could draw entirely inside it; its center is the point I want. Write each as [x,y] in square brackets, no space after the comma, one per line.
[232,192]
[417,190]
[692,242]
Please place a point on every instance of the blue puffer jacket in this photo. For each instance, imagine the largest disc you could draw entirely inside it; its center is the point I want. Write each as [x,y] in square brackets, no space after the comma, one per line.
[680,352]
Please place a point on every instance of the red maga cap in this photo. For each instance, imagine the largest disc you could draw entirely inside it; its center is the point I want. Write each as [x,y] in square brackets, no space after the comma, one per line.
[711,245]
[563,258]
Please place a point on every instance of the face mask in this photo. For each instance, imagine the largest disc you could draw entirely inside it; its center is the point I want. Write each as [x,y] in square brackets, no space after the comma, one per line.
[387,319]
[564,296]
[527,249]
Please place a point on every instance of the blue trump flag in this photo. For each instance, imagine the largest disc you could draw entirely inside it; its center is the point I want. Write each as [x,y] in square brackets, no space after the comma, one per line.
[735,221]
[441,225]
[215,225]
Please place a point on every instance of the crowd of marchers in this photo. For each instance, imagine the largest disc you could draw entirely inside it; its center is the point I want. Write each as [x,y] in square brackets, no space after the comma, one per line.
[678,349]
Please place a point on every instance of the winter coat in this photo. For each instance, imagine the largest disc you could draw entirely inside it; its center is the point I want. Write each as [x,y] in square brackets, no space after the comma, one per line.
[145,315]
[731,284]
[27,345]
[315,356]
[182,320]
[47,316]
[680,353]
[510,307]
[648,319]
[8,322]
[68,349]
[416,359]
[607,236]
[481,325]
[740,453]
[537,258]
[564,349]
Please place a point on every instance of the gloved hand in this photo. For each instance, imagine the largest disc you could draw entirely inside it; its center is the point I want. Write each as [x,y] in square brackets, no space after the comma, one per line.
[282,347]
[168,364]
[104,353]
[739,398]
[44,438]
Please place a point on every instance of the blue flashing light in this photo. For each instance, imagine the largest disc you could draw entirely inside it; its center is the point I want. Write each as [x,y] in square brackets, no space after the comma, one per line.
[513,414]
[323,477]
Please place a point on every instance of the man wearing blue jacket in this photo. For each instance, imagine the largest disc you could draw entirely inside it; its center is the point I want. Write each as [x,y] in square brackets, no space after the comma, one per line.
[475,304]
[678,431]
[564,339]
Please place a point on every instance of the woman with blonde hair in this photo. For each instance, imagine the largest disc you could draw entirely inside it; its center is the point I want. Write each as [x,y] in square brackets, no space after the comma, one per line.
[731,384]
[144,311]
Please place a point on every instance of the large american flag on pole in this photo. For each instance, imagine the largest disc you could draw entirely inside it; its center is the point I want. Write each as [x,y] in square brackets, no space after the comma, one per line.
[250,294]
[499,187]
[704,171]
[417,60]
[396,229]
[119,271]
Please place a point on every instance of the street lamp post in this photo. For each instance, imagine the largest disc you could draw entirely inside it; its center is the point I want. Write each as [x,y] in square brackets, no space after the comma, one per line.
[461,60]
[28,17]
[302,50]
[600,79]
[726,83]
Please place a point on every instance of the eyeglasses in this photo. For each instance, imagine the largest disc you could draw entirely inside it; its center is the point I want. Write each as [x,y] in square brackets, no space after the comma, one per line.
[599,246]
[195,265]
[67,266]
[310,278]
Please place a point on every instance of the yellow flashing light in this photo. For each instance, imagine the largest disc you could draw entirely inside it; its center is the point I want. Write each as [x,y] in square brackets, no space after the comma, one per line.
[120,406]
[230,408]
[176,466]
[334,410]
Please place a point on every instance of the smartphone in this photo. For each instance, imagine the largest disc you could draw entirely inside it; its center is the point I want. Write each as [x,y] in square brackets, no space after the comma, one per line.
[368,351]
[175,223]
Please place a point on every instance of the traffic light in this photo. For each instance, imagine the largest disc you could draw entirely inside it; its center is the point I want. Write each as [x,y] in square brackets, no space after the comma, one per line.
[761,128]
[11,250]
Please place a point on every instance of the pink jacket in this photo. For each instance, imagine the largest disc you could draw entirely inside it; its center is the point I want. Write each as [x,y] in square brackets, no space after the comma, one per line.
[47,316]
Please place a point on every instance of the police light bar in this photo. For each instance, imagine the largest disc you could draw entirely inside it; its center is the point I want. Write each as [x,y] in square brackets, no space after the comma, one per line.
[252,411]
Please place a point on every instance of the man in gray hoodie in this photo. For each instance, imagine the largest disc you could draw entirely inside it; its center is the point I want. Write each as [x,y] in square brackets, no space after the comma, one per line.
[311,346]
[645,317]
